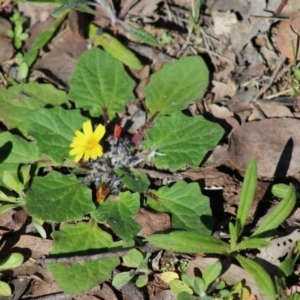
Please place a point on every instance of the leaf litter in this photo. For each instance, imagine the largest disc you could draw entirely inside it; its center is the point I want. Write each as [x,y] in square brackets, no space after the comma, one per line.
[253,94]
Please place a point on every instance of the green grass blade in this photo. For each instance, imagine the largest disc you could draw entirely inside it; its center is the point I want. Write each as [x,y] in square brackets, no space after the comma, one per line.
[261,277]
[279,213]
[247,196]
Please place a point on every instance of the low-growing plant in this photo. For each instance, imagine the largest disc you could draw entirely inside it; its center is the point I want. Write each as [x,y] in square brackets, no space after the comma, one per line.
[187,241]
[134,259]
[110,162]
[12,261]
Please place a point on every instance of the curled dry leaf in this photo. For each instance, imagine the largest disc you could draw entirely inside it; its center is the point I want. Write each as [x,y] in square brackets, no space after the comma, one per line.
[273,143]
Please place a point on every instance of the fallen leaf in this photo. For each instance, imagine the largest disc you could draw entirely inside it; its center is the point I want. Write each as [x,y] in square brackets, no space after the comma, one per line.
[6,49]
[273,143]
[284,38]
[151,222]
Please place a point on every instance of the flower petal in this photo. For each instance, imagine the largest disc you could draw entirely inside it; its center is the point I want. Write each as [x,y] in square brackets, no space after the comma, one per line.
[78,157]
[99,132]
[87,128]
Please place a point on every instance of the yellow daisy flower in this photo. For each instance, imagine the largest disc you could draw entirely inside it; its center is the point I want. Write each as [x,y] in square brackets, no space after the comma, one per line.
[86,144]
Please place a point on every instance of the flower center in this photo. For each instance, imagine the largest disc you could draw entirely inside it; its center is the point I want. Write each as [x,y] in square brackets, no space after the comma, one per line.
[91,143]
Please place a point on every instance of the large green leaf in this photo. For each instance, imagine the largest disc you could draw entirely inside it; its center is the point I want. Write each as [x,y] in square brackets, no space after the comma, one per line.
[100,84]
[189,209]
[120,215]
[58,198]
[83,239]
[16,151]
[189,242]
[182,140]
[177,85]
[54,129]
[19,100]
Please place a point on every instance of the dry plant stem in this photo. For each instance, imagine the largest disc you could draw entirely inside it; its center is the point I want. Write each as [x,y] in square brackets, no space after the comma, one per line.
[160,175]
[84,258]
[138,137]
[267,86]
[280,7]
[278,67]
[63,296]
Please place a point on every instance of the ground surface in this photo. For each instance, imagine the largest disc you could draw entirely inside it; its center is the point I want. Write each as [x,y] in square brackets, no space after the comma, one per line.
[253,95]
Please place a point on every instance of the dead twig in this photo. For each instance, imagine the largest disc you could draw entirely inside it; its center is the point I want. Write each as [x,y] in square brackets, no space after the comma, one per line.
[84,258]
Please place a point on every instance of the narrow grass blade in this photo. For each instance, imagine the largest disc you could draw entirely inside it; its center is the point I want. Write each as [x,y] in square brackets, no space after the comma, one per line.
[279,213]
[261,277]
[247,196]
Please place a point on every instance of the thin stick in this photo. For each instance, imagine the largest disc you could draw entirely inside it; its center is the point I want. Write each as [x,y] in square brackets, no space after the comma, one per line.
[77,259]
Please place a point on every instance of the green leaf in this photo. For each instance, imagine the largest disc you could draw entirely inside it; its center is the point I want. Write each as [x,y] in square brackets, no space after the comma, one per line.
[11,183]
[182,140]
[19,100]
[252,243]
[261,277]
[188,242]
[134,180]
[233,236]
[177,85]
[178,286]
[247,196]
[280,212]
[56,197]
[120,215]
[141,35]
[100,83]
[38,224]
[15,151]
[280,190]
[5,289]
[7,207]
[81,239]
[115,48]
[287,267]
[186,296]
[41,40]
[12,261]
[142,281]
[76,4]
[211,273]
[122,278]
[190,210]
[198,286]
[133,259]
[54,129]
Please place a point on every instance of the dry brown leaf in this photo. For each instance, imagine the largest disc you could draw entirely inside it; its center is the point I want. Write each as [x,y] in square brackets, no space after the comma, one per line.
[284,38]
[273,143]
[6,48]
[151,222]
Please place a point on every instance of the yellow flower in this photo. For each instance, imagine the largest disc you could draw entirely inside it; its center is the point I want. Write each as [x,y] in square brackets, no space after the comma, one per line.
[86,144]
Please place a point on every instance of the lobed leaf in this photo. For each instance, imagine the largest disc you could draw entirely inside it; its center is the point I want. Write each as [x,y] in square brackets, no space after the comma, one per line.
[120,215]
[100,84]
[53,130]
[189,209]
[57,198]
[19,100]
[177,85]
[182,140]
[84,239]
